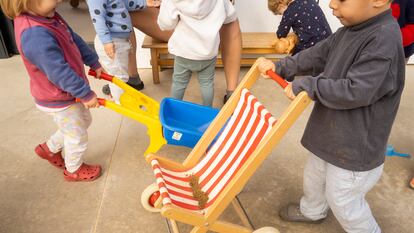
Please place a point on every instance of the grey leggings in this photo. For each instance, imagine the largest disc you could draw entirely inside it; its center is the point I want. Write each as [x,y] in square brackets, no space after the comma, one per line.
[183,68]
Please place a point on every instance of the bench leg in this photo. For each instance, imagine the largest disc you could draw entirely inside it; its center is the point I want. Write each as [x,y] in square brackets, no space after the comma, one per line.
[155,68]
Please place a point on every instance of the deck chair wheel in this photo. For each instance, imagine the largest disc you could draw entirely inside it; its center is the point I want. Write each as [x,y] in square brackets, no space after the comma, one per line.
[149,196]
[266,230]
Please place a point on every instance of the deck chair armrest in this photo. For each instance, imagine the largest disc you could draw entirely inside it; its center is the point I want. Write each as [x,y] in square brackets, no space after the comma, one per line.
[166,163]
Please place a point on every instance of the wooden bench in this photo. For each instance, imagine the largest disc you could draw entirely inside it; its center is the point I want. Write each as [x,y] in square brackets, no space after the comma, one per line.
[253,45]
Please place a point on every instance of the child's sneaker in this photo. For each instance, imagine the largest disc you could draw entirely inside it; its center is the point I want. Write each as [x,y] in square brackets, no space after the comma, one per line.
[84,173]
[226,97]
[55,159]
[292,213]
[136,83]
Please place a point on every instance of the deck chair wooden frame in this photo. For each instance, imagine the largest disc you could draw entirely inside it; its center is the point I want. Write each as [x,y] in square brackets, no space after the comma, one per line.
[208,221]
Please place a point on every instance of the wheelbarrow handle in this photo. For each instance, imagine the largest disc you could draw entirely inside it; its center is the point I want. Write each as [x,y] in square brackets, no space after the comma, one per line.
[104,76]
[277,78]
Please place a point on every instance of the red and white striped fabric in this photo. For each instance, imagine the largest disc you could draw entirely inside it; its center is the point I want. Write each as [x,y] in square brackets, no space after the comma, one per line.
[248,125]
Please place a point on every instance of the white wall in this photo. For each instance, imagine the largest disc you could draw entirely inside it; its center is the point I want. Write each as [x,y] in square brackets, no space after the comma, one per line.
[257,17]
[253,17]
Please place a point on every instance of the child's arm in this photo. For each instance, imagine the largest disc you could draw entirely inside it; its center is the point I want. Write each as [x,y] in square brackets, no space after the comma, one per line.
[89,57]
[367,81]
[285,24]
[168,16]
[97,12]
[41,48]
[308,62]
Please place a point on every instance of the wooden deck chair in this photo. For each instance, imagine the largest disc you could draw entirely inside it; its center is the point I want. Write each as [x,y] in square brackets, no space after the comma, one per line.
[197,191]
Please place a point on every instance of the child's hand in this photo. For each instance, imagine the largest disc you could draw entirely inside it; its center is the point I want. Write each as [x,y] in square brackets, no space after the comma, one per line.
[281,9]
[153,3]
[99,71]
[110,50]
[289,91]
[264,65]
[92,103]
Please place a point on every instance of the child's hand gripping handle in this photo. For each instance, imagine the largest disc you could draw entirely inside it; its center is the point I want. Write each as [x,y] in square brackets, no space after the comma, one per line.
[103,75]
[100,101]
[277,78]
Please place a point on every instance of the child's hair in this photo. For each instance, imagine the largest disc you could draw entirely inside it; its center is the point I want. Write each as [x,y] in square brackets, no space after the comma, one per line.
[13,8]
[274,4]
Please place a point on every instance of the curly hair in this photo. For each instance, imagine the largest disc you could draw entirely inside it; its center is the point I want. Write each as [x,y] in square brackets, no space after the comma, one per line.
[274,4]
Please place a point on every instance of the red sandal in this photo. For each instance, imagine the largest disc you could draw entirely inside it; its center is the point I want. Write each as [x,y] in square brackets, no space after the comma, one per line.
[55,159]
[412,183]
[84,173]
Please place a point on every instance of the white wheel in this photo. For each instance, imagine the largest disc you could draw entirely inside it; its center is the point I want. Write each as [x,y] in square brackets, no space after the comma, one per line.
[266,230]
[147,195]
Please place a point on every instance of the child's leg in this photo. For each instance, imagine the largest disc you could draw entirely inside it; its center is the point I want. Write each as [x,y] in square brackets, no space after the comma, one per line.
[231,47]
[118,66]
[132,65]
[134,79]
[181,77]
[73,123]
[313,204]
[206,80]
[55,142]
[345,192]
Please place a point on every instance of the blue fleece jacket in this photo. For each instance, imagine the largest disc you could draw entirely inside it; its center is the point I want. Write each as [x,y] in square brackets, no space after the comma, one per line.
[54,56]
[307,20]
[111,18]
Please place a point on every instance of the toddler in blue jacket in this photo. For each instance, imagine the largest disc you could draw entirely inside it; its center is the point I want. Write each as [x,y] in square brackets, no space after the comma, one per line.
[113,28]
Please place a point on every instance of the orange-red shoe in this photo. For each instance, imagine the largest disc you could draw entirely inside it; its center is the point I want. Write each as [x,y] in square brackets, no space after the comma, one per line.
[412,183]
[84,173]
[55,159]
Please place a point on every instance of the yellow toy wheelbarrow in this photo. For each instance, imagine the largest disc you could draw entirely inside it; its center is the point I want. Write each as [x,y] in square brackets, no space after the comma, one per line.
[174,122]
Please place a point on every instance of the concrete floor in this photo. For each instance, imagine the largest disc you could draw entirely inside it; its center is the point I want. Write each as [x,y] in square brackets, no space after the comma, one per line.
[35,198]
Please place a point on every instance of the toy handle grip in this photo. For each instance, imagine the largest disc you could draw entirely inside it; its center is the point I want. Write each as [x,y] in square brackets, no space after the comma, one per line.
[277,78]
[104,76]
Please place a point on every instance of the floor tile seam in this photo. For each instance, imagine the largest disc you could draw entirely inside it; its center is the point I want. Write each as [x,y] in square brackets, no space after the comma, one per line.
[106,177]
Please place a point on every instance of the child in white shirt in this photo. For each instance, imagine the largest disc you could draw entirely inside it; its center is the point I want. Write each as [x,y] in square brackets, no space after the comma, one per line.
[195,41]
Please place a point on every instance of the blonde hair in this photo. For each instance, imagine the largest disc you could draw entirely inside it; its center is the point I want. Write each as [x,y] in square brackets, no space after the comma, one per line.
[13,8]
[274,4]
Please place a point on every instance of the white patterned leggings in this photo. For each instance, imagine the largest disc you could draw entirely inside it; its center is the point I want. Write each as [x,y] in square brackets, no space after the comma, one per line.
[72,134]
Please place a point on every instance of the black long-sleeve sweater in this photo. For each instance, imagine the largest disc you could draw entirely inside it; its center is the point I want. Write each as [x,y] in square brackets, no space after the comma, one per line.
[359,77]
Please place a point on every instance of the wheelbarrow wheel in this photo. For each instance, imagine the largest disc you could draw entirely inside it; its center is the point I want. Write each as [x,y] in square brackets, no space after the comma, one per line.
[266,230]
[149,196]
[74,3]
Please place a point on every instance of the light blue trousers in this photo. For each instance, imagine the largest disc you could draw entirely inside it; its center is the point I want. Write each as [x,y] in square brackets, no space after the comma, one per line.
[183,68]
[327,186]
